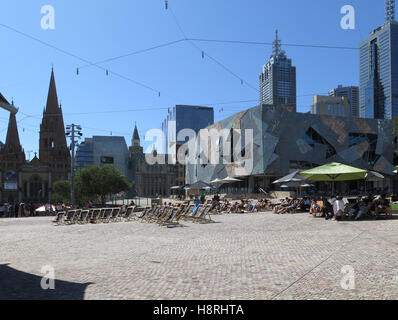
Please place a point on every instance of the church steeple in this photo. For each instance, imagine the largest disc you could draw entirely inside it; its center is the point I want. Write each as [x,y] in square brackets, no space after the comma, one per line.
[13,144]
[54,150]
[135,142]
[52,98]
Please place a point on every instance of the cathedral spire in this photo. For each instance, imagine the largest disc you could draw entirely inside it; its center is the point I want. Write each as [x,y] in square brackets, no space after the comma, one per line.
[52,98]
[13,144]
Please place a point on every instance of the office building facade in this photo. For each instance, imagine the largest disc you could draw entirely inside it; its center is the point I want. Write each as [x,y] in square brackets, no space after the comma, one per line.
[331,106]
[277,80]
[378,59]
[352,95]
[185,117]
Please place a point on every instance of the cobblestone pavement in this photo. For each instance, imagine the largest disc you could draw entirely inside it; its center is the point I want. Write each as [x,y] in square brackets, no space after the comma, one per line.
[256,256]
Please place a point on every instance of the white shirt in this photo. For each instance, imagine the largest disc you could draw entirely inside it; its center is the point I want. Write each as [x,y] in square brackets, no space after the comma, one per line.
[338,205]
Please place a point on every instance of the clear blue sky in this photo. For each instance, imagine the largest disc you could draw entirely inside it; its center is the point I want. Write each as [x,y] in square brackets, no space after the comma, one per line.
[99,29]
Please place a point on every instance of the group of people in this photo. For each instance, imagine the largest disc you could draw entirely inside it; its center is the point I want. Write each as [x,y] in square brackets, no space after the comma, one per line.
[241,206]
[291,205]
[336,209]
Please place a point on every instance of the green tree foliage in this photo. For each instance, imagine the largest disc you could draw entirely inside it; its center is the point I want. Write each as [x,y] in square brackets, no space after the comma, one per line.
[96,183]
[61,191]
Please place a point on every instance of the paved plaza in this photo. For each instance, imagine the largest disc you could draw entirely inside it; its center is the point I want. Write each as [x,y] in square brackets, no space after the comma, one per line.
[256,256]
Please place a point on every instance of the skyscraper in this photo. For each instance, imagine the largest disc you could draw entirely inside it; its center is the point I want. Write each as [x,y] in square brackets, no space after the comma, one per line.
[352,95]
[378,68]
[185,117]
[278,79]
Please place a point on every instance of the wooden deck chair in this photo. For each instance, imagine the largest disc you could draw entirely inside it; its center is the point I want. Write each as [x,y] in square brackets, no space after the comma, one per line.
[148,216]
[170,218]
[186,212]
[107,215]
[143,213]
[202,215]
[83,217]
[195,212]
[129,214]
[156,211]
[95,216]
[59,218]
[115,216]
[70,217]
[163,212]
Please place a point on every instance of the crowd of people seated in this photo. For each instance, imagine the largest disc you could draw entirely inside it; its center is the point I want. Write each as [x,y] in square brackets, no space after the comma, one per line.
[336,209]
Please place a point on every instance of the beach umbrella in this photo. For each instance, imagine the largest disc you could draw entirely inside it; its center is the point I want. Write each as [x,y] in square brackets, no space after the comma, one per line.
[374,176]
[334,172]
[217,181]
[230,180]
[198,186]
[292,177]
[176,188]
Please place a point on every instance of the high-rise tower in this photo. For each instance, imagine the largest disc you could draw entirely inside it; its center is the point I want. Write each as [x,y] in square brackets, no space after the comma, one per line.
[378,62]
[278,79]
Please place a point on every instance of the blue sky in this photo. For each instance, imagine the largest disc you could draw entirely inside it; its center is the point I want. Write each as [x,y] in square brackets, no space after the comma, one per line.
[97,29]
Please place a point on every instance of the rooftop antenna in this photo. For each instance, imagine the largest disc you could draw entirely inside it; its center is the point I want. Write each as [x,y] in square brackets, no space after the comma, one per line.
[390,10]
[276,44]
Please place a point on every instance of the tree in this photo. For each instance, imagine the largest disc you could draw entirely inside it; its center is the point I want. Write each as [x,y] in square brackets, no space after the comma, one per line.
[96,183]
[62,191]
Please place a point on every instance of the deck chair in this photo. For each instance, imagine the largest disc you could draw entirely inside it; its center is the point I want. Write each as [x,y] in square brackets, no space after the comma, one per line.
[107,215]
[144,213]
[156,212]
[83,217]
[70,217]
[95,216]
[170,218]
[187,211]
[59,218]
[163,213]
[129,214]
[201,217]
[196,212]
[115,216]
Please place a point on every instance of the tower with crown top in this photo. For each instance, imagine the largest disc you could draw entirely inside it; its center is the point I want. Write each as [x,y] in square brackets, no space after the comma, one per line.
[53,148]
[277,80]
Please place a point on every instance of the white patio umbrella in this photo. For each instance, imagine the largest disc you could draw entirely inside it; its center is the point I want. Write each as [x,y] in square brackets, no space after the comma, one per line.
[217,181]
[230,180]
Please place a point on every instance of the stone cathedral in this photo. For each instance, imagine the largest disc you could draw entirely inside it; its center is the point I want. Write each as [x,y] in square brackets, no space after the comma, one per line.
[31,181]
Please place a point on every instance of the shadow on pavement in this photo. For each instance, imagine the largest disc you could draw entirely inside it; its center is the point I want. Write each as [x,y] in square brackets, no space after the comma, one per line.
[18,285]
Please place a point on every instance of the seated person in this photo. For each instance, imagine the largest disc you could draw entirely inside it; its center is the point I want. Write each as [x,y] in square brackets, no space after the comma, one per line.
[284,203]
[327,209]
[354,209]
[338,208]
[315,208]
[306,204]
[383,206]
[365,206]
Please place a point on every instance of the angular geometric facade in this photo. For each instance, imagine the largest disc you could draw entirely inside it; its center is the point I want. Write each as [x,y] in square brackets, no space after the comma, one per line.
[285,141]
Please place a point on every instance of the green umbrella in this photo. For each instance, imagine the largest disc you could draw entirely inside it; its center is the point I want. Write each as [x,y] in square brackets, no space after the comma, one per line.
[334,172]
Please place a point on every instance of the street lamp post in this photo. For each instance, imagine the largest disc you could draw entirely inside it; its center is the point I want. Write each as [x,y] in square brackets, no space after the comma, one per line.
[74,132]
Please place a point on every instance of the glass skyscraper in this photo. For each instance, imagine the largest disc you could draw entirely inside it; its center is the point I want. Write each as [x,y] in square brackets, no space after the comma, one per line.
[378,68]
[186,117]
[278,79]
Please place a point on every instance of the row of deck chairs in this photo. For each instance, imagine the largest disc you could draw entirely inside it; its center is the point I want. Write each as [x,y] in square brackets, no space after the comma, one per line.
[170,216]
[161,215]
